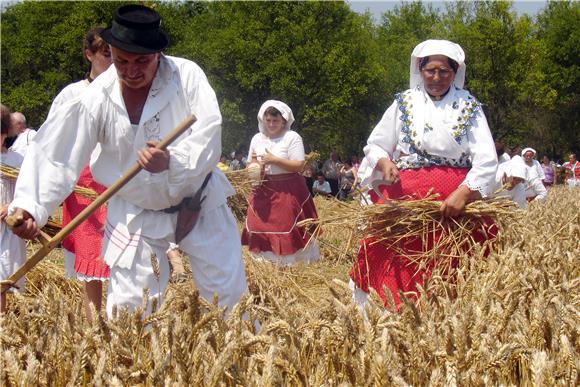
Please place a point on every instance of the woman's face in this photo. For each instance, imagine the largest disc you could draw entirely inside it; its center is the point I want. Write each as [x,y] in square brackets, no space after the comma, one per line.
[546,160]
[437,75]
[274,125]
[100,61]
[528,157]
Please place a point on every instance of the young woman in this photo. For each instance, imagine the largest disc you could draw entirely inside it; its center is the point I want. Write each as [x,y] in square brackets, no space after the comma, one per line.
[282,200]
[82,248]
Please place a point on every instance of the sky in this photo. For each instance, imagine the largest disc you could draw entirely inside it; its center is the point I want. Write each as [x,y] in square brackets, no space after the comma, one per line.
[377,7]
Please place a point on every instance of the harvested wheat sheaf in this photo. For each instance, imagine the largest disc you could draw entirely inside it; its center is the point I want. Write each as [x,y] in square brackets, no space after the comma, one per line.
[511,318]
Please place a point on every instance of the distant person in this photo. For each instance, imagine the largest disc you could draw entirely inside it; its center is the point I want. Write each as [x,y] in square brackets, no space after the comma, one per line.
[511,176]
[24,134]
[12,248]
[309,174]
[348,180]
[282,199]
[237,163]
[321,186]
[549,168]
[223,164]
[331,170]
[572,171]
[535,189]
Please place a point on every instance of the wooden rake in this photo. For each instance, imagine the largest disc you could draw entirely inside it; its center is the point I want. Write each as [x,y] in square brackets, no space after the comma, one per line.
[49,243]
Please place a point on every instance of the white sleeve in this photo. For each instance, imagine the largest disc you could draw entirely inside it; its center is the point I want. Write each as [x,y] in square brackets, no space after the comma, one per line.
[54,161]
[295,148]
[483,170]
[384,137]
[252,148]
[539,189]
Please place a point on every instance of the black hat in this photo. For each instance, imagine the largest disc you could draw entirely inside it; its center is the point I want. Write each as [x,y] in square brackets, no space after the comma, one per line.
[136,29]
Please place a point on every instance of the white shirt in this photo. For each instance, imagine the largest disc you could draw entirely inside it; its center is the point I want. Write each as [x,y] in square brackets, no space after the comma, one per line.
[513,168]
[71,132]
[324,187]
[288,146]
[434,133]
[22,141]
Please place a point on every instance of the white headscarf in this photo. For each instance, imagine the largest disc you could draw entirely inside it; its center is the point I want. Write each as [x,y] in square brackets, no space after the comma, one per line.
[528,150]
[517,168]
[281,107]
[437,47]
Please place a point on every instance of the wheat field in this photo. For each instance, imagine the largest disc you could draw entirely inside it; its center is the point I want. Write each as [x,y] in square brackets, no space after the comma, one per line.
[511,318]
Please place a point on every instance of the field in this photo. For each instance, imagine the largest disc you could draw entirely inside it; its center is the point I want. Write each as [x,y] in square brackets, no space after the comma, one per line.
[512,318]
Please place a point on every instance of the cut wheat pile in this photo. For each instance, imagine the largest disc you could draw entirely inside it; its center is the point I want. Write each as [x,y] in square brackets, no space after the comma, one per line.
[512,318]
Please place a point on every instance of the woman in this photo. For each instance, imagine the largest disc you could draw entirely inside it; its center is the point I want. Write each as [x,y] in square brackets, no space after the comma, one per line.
[348,180]
[12,248]
[283,199]
[549,168]
[535,189]
[433,137]
[82,247]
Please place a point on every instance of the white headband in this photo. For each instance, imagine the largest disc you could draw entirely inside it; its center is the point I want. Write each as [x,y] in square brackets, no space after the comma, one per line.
[437,47]
[281,107]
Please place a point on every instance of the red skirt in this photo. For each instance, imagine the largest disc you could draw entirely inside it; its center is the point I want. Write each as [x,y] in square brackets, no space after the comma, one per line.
[274,209]
[381,264]
[87,239]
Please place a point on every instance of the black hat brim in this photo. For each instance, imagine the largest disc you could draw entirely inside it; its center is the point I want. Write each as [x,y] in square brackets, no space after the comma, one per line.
[151,48]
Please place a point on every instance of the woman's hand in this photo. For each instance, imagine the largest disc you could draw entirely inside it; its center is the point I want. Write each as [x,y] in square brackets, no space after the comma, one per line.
[389,170]
[268,158]
[152,159]
[455,203]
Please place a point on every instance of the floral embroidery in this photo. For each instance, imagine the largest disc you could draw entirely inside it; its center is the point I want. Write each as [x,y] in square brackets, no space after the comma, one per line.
[464,122]
[423,158]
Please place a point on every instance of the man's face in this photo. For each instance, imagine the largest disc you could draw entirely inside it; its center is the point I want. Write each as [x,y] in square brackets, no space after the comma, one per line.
[18,126]
[572,159]
[320,179]
[135,71]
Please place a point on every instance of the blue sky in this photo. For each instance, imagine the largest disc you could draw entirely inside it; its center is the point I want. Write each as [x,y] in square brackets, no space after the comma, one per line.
[377,7]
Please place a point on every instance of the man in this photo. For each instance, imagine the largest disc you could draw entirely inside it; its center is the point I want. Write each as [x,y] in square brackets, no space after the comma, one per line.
[321,186]
[124,112]
[25,135]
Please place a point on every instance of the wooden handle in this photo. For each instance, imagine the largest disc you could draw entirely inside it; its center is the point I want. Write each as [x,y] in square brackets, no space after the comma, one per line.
[50,244]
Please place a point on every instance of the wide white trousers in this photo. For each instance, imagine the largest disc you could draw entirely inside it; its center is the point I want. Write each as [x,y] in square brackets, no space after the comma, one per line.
[215,254]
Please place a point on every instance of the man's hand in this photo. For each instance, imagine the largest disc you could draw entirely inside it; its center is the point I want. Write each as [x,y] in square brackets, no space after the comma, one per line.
[3,212]
[152,159]
[455,203]
[389,170]
[26,227]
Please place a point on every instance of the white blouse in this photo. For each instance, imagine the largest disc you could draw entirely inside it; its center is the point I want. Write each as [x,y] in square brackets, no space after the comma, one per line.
[288,146]
[418,132]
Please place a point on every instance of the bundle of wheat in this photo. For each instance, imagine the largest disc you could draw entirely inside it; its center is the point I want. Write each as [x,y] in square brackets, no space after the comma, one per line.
[398,220]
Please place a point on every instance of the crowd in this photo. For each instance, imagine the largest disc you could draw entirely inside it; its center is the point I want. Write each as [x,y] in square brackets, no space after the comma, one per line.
[434,138]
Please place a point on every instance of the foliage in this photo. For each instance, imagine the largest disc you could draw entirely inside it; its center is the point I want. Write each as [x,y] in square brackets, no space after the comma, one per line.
[336,69]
